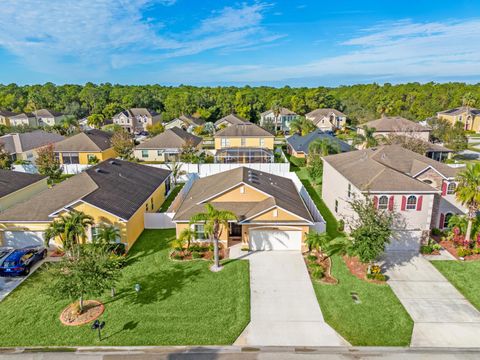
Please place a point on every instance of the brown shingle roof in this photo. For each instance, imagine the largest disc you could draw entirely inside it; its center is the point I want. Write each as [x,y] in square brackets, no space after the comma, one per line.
[283,111]
[7,113]
[320,113]
[246,129]
[191,120]
[11,181]
[395,124]
[47,113]
[387,168]
[232,119]
[282,192]
[91,140]
[173,138]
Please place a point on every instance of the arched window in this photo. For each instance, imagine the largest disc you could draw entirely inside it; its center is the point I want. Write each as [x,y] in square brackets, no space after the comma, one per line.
[447,218]
[383,202]
[412,202]
[451,188]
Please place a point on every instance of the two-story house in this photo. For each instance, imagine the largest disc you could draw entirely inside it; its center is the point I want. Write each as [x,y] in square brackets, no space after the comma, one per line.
[419,190]
[469,117]
[279,121]
[327,119]
[244,143]
[38,118]
[136,120]
[24,146]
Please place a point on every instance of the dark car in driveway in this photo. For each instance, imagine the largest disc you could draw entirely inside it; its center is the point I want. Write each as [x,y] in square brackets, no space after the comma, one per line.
[20,261]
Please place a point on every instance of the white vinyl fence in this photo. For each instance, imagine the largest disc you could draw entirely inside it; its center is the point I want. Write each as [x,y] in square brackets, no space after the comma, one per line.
[70,169]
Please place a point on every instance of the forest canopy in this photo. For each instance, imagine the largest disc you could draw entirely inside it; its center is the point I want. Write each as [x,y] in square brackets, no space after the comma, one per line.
[360,103]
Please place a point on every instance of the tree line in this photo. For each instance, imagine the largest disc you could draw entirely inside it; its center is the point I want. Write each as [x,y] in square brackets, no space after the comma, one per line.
[360,103]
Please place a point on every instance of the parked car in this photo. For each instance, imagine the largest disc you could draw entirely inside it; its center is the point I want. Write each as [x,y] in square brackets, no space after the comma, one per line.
[20,261]
[4,252]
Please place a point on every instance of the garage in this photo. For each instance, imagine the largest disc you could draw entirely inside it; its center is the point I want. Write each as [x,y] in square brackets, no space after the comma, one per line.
[273,239]
[405,241]
[19,239]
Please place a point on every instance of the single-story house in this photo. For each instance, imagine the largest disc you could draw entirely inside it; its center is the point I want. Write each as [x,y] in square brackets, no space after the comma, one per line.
[167,146]
[88,147]
[185,122]
[396,125]
[231,119]
[327,119]
[270,213]
[297,145]
[24,146]
[16,187]
[421,191]
[114,192]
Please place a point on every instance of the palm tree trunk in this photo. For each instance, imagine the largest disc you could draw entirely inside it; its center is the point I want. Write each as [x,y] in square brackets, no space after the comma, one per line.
[215,254]
[80,304]
[468,234]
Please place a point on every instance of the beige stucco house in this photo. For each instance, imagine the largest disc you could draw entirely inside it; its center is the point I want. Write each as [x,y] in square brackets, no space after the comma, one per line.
[396,125]
[231,119]
[270,213]
[5,117]
[327,119]
[136,120]
[185,122]
[38,118]
[419,190]
[469,117]
[283,119]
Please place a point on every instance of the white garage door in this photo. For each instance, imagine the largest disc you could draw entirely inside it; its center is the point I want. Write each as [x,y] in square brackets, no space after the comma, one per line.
[275,240]
[405,241]
[19,239]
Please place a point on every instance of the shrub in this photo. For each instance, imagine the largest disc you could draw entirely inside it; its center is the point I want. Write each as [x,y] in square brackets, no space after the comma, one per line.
[437,232]
[177,256]
[316,270]
[311,258]
[195,247]
[426,249]
[375,269]
[437,247]
[299,162]
[196,255]
[462,252]
[341,225]
[380,277]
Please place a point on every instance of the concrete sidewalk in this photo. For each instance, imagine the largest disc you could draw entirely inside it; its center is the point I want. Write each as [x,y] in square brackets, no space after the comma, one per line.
[442,315]
[284,308]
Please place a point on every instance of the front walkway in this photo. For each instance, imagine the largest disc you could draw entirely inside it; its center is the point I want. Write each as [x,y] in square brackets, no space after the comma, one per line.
[442,315]
[284,308]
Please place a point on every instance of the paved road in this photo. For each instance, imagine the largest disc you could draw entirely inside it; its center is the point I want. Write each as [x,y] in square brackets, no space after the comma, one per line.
[234,353]
[442,315]
[284,308]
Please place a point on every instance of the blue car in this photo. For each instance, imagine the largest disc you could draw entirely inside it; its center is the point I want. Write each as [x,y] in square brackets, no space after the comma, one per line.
[19,261]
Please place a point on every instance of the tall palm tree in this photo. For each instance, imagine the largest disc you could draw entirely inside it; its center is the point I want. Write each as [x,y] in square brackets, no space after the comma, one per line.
[277,109]
[302,126]
[384,107]
[367,140]
[70,229]
[323,147]
[468,101]
[468,193]
[215,221]
[176,169]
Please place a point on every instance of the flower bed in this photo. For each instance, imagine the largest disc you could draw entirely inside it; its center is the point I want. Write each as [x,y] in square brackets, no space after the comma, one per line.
[197,252]
[319,268]
[457,250]
[71,316]
[360,270]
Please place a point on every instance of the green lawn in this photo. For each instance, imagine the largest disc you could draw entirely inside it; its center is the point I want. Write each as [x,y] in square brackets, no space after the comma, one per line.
[380,319]
[464,276]
[168,201]
[179,304]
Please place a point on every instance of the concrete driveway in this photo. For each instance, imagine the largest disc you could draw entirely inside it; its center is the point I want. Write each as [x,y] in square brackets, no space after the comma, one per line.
[10,283]
[284,308]
[442,315]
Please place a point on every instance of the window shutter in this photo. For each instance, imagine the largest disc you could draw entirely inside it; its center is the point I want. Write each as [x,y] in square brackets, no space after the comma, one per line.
[419,203]
[442,220]
[444,188]
[375,202]
[391,202]
[404,203]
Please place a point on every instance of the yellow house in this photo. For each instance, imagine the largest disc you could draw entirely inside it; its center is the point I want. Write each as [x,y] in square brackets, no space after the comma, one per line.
[114,192]
[16,187]
[469,117]
[271,214]
[85,148]
[244,143]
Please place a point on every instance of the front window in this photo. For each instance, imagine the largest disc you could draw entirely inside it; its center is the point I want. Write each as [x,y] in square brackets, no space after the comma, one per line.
[451,188]
[446,220]
[224,142]
[262,142]
[243,142]
[383,202]
[412,202]
[200,231]
[70,158]
[144,153]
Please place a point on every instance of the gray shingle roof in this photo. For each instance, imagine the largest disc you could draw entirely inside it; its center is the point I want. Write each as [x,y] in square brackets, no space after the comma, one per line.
[11,181]
[47,113]
[90,140]
[29,141]
[246,129]
[173,138]
[281,190]
[191,120]
[283,111]
[460,110]
[320,113]
[300,143]
[232,119]
[395,124]
[7,113]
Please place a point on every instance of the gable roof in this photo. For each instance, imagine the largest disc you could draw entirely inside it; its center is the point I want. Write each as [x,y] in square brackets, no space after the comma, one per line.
[191,120]
[246,129]
[232,119]
[116,186]
[460,110]
[91,140]
[320,113]
[47,113]
[300,143]
[16,143]
[387,168]
[173,138]
[395,124]
[138,112]
[283,111]
[281,192]
[11,181]
[7,113]
[24,115]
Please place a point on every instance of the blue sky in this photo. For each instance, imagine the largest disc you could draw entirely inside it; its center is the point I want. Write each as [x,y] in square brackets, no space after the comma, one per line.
[296,43]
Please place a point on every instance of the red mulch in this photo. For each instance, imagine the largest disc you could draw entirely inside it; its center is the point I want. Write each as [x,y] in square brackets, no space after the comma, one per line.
[57,253]
[327,267]
[450,247]
[359,269]
[92,309]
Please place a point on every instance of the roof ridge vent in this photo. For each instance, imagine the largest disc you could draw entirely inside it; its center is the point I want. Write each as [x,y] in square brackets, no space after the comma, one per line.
[113,162]
[98,170]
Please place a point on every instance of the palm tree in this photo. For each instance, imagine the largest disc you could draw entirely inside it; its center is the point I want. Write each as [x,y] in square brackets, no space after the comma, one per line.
[107,234]
[70,229]
[468,193]
[302,126]
[187,236]
[325,245]
[176,169]
[367,140]
[276,109]
[70,124]
[468,101]
[384,107]
[215,221]
[323,147]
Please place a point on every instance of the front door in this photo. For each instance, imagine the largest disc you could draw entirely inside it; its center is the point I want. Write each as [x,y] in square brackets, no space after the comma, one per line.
[235,230]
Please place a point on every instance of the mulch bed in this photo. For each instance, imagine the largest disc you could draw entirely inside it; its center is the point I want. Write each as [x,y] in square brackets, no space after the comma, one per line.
[327,267]
[359,269]
[57,253]
[450,247]
[208,255]
[92,309]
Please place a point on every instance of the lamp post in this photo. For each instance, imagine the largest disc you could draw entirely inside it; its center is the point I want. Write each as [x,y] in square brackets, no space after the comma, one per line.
[97,325]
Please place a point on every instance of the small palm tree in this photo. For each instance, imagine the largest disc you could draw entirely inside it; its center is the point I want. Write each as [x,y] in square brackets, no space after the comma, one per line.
[215,221]
[325,245]
[323,147]
[70,124]
[384,107]
[187,236]
[176,169]
[468,101]
[107,234]
[70,229]
[468,193]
